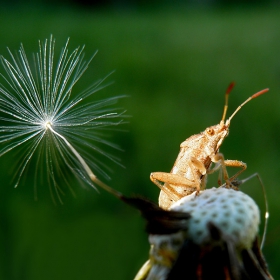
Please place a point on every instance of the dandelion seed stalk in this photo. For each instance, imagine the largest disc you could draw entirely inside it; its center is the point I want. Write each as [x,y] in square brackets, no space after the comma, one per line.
[85,166]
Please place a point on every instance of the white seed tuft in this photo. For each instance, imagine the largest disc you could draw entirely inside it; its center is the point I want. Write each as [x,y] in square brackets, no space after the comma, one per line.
[54,126]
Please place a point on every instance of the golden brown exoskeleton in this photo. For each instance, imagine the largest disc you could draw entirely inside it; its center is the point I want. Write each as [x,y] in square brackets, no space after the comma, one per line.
[196,155]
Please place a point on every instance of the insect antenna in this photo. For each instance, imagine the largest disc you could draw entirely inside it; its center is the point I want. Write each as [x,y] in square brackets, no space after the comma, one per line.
[229,89]
[246,101]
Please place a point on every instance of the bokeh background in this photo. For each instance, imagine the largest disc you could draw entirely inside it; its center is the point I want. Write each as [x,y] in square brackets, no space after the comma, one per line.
[174,61]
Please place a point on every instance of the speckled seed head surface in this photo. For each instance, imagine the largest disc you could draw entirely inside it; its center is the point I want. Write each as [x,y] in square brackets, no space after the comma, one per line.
[235,214]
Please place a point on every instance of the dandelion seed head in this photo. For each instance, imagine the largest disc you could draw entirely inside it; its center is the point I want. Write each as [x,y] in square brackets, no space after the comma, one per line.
[60,133]
[233,212]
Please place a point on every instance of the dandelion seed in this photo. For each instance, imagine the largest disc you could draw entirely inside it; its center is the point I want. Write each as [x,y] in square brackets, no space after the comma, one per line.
[39,113]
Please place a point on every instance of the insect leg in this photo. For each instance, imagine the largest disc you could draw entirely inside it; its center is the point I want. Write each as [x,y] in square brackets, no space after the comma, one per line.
[169,183]
[215,168]
[219,158]
[235,163]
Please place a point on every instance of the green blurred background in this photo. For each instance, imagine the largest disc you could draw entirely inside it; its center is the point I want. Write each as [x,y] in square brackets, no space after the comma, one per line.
[174,62]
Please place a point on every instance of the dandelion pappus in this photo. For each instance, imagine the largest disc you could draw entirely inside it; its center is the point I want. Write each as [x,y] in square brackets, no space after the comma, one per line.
[41,114]
[196,155]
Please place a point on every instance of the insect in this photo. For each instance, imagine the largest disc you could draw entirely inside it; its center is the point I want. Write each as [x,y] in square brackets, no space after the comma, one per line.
[196,155]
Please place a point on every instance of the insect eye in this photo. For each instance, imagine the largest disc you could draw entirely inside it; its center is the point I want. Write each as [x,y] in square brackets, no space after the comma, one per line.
[210,131]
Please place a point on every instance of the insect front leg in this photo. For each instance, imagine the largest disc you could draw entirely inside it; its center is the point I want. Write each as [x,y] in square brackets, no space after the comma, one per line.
[236,163]
[222,164]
